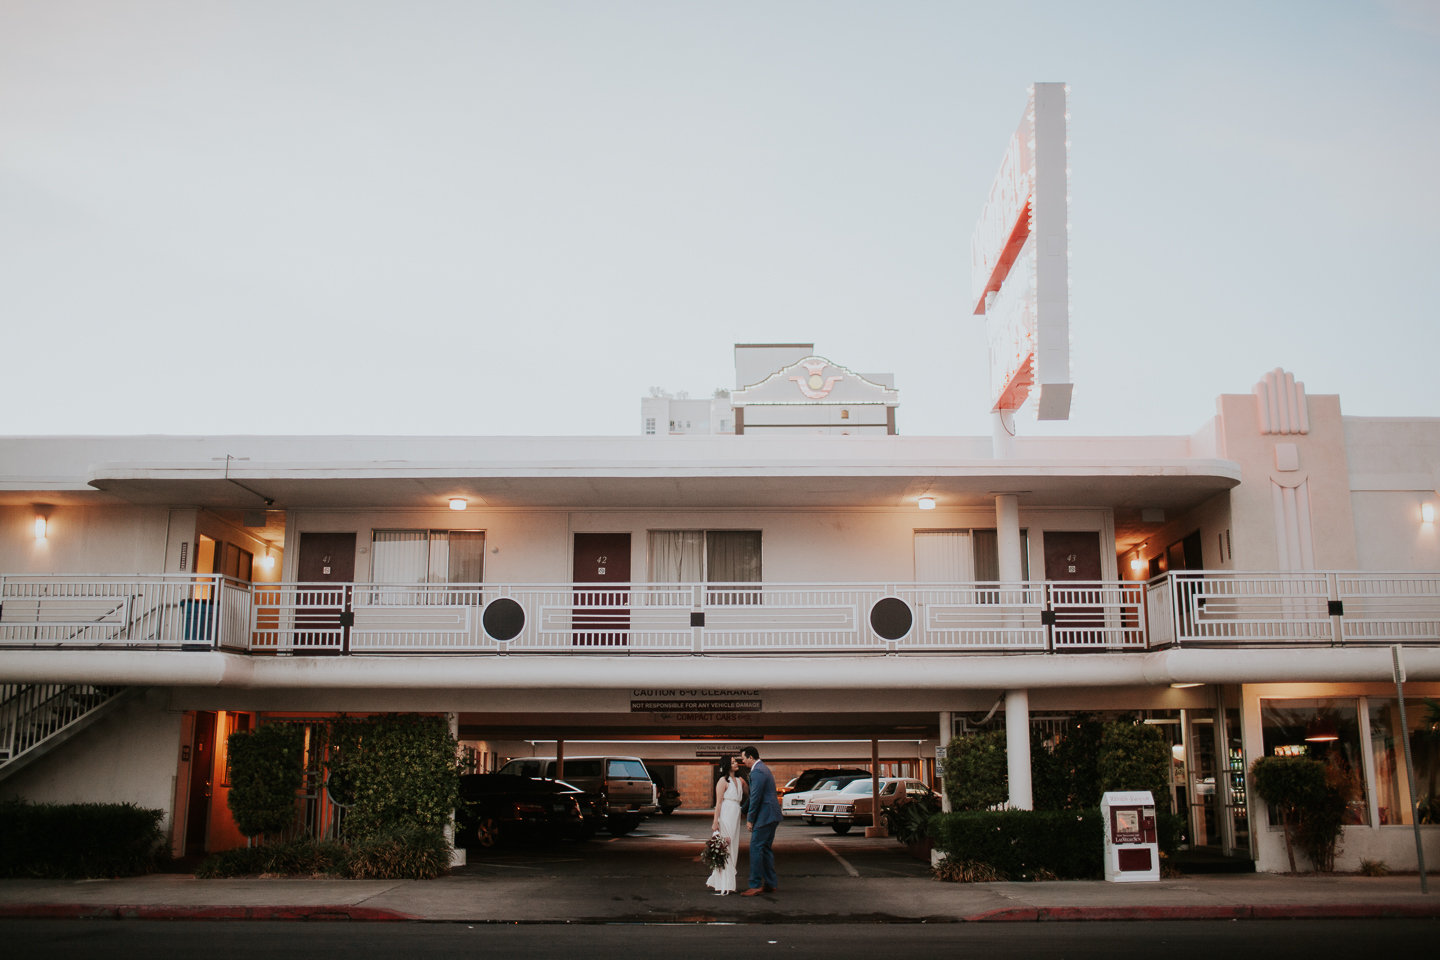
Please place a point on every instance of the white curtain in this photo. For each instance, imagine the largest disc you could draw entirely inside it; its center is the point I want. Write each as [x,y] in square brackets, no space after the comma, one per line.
[400,556]
[677,556]
[943,556]
[732,556]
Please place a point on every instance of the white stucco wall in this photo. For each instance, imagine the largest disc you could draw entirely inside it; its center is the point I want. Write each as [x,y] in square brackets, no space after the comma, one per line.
[100,538]
[128,756]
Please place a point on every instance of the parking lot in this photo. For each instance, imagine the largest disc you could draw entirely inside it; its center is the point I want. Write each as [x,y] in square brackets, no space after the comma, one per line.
[670,847]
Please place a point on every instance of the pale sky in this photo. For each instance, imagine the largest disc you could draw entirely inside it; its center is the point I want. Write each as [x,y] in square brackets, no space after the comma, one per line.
[513,218]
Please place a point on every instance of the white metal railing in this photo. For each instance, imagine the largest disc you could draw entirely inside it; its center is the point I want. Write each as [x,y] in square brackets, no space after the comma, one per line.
[1210,608]
[159,610]
[1206,608]
[32,713]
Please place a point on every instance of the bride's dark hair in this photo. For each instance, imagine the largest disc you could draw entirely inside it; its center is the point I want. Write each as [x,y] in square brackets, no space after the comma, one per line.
[726,773]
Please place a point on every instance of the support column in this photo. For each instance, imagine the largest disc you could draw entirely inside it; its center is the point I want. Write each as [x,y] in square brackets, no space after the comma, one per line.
[875,829]
[946,726]
[1017,748]
[457,854]
[559,759]
[1007,537]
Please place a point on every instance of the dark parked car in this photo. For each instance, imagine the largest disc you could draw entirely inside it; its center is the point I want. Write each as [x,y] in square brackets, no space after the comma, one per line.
[669,800]
[495,807]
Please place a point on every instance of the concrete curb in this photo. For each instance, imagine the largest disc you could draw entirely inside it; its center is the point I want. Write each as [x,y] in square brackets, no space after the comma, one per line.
[1333,911]
[79,911]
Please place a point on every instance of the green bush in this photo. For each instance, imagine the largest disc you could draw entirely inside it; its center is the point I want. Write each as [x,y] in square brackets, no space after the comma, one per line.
[267,769]
[79,840]
[909,820]
[1036,844]
[1291,785]
[395,771]
[1076,768]
[976,776]
[1135,756]
[404,853]
[293,858]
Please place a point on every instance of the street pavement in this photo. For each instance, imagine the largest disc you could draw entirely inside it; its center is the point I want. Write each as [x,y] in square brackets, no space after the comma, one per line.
[654,875]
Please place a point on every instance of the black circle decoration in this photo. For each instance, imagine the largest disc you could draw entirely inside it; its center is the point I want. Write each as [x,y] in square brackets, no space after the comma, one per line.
[891,618]
[503,619]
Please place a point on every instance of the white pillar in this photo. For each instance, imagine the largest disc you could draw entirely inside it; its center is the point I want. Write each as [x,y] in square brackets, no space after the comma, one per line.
[946,726]
[1007,536]
[1017,748]
[457,854]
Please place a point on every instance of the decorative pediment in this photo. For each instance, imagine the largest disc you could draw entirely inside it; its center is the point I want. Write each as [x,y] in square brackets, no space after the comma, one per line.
[815,380]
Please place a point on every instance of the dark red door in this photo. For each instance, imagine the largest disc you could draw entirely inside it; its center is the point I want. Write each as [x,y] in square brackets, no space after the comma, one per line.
[1075,556]
[602,613]
[322,613]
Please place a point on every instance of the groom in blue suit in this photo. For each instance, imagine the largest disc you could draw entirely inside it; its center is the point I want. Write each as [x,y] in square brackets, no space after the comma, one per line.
[762,819]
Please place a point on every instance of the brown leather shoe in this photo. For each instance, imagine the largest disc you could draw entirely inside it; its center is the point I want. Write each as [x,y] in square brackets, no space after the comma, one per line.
[753,892]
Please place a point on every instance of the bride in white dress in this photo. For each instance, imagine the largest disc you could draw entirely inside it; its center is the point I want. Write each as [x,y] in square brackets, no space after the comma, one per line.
[729,799]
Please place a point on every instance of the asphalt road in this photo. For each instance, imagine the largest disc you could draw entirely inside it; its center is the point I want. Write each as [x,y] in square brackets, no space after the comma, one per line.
[221,940]
[670,847]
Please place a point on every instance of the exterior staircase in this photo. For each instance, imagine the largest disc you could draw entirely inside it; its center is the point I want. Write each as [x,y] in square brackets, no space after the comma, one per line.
[37,717]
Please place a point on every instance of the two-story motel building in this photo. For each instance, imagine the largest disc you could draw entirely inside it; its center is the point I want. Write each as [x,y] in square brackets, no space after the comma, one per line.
[1239,586]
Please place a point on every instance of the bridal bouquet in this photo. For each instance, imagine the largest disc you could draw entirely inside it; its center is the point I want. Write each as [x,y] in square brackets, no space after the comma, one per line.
[716,853]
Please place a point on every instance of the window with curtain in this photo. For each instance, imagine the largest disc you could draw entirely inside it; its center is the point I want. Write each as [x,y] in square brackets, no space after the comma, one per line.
[732,556]
[704,556]
[427,556]
[677,556]
[987,555]
[943,556]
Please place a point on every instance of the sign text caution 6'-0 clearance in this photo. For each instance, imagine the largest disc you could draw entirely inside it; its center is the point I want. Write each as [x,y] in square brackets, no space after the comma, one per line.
[695,701]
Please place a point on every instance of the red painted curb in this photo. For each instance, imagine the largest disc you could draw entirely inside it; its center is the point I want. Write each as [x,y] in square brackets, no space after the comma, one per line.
[1004,914]
[80,911]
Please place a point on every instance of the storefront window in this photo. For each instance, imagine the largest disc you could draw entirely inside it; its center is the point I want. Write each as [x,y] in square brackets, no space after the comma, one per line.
[1392,786]
[1324,730]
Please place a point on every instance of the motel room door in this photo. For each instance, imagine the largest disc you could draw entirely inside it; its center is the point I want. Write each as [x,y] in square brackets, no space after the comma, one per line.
[601,617]
[1075,557]
[322,618]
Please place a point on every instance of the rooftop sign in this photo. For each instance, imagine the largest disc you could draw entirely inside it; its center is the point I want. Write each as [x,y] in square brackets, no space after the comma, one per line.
[1020,261]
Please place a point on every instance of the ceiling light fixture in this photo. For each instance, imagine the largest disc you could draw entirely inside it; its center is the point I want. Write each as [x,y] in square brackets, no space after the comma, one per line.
[927,503]
[458,503]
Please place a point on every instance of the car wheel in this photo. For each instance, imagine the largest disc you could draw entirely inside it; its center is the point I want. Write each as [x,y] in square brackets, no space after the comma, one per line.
[840,829]
[667,811]
[619,826]
[487,832]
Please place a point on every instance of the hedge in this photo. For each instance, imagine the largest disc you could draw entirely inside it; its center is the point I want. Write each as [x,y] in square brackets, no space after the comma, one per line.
[408,853]
[398,771]
[267,770]
[1036,844]
[79,840]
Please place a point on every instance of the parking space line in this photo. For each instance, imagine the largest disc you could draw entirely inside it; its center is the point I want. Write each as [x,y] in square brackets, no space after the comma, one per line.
[843,862]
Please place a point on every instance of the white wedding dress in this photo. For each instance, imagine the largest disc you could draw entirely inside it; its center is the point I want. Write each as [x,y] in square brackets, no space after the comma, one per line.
[722,880]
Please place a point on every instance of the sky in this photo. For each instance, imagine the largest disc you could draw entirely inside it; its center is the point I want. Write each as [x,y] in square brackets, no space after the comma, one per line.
[482,218]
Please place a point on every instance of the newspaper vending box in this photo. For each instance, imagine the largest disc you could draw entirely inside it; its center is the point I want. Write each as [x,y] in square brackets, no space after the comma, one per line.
[1131,850]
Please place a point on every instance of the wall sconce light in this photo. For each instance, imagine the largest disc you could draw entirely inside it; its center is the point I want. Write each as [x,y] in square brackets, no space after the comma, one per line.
[458,503]
[927,503]
[1427,512]
[267,561]
[40,525]
[1137,564]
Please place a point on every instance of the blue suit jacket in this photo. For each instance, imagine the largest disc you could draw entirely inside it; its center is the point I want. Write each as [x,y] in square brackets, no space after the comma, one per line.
[764,803]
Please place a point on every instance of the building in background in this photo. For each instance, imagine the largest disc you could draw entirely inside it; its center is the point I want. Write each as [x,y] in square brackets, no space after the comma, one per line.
[780,388]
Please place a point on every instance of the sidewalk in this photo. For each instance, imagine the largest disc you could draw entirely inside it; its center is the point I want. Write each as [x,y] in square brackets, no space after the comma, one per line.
[813,899]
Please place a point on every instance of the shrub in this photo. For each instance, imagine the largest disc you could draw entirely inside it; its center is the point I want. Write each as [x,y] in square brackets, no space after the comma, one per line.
[267,769]
[404,853]
[79,840]
[976,776]
[965,871]
[908,820]
[1290,784]
[1374,868]
[1076,767]
[1018,844]
[1322,821]
[1135,756]
[303,858]
[1035,844]
[397,771]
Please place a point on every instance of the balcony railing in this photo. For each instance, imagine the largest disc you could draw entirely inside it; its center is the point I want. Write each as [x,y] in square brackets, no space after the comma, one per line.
[1197,608]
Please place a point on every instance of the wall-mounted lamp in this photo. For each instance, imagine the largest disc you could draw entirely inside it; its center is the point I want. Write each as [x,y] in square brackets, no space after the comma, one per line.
[267,561]
[1427,512]
[40,525]
[1182,686]
[1137,564]
[458,503]
[927,503]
